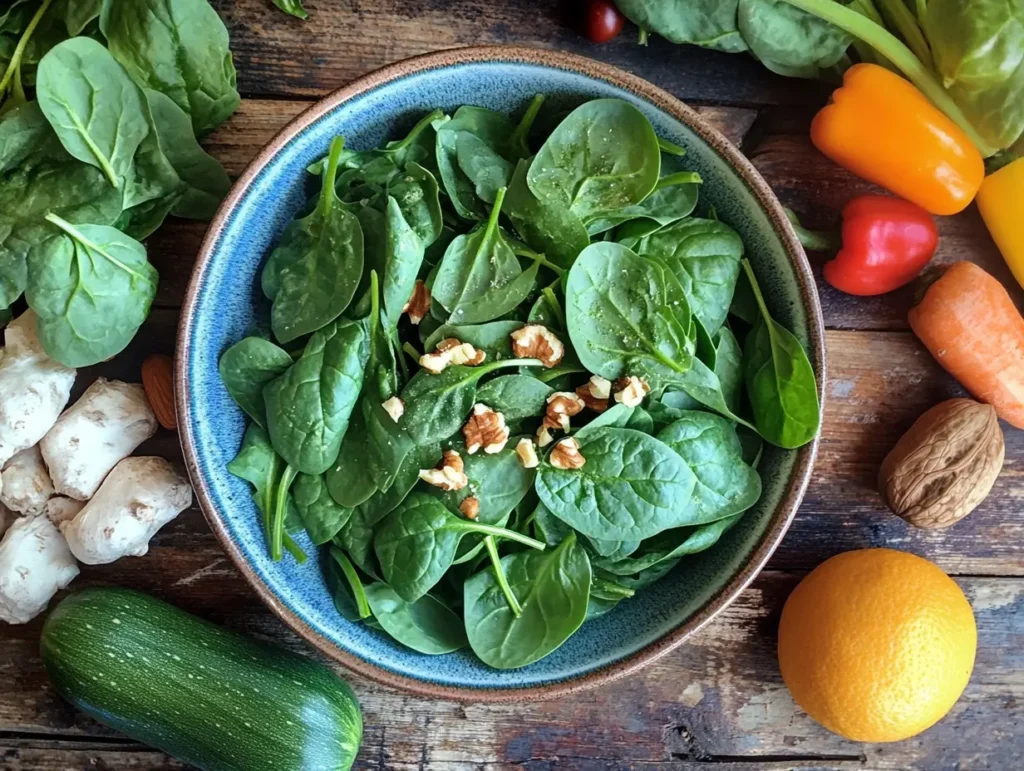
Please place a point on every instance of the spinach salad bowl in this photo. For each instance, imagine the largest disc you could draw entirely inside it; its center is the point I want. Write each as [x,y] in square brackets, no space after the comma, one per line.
[317,598]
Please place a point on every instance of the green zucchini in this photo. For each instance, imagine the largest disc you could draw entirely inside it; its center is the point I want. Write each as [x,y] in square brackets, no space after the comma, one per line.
[208,696]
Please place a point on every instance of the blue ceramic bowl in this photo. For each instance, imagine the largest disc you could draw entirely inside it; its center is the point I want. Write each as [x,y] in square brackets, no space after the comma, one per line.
[224,302]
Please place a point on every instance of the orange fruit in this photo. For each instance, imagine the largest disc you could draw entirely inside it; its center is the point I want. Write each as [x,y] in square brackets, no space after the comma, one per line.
[877,645]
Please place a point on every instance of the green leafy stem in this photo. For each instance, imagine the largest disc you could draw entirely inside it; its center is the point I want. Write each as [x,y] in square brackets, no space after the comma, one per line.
[13,72]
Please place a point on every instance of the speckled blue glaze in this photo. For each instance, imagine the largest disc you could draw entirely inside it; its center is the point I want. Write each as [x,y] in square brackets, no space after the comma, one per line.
[229,304]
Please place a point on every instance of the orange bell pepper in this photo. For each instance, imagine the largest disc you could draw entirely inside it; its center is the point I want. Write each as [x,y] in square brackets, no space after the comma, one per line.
[1001,201]
[880,127]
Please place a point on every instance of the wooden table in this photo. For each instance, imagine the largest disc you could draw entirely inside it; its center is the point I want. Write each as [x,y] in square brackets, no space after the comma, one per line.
[717,702]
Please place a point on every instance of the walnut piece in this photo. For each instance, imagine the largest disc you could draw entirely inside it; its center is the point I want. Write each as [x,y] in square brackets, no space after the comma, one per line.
[451,351]
[419,303]
[485,428]
[566,454]
[631,391]
[470,507]
[945,465]
[394,407]
[527,453]
[544,437]
[596,393]
[449,474]
[535,341]
[562,405]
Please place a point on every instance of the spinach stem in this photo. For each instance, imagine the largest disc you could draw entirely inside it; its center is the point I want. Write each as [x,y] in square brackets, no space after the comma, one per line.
[355,583]
[501,532]
[280,504]
[266,506]
[518,139]
[327,192]
[903,20]
[499,574]
[899,54]
[14,65]
[520,251]
[679,178]
[556,307]
[418,129]
[410,351]
[671,148]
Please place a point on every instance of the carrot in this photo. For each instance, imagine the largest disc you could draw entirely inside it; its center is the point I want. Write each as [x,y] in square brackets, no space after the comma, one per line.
[972,328]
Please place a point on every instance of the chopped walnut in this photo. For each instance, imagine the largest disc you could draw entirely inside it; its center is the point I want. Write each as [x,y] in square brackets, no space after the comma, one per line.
[631,391]
[562,405]
[485,428]
[527,453]
[451,351]
[449,474]
[587,395]
[535,341]
[470,507]
[394,407]
[466,354]
[544,437]
[419,304]
[600,387]
[566,454]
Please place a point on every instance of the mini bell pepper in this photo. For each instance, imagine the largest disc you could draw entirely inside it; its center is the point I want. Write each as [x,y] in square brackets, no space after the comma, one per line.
[1001,202]
[886,244]
[880,127]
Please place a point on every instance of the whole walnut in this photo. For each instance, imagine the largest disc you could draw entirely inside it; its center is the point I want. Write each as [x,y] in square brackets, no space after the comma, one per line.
[945,465]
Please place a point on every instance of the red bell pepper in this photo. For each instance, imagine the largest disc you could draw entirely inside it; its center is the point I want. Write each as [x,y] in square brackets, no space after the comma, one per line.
[886,244]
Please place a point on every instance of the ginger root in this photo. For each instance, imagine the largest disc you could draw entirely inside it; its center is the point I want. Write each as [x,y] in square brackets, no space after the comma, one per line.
[33,388]
[97,432]
[35,563]
[140,496]
[26,483]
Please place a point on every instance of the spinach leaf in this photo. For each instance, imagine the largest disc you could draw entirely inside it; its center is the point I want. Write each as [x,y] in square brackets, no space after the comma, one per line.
[309,406]
[978,48]
[247,367]
[729,369]
[492,129]
[79,14]
[548,527]
[91,288]
[356,538]
[494,337]
[621,321]
[705,23]
[487,170]
[95,108]
[674,198]
[518,145]
[426,625]
[665,549]
[704,255]
[515,396]
[479,278]
[349,480]
[553,589]
[630,487]
[417,542]
[313,273]
[417,196]
[548,227]
[382,503]
[780,381]
[790,41]
[701,386]
[403,255]
[321,515]
[436,406]
[178,47]
[293,8]
[603,156]
[204,181]
[387,444]
[613,550]
[710,447]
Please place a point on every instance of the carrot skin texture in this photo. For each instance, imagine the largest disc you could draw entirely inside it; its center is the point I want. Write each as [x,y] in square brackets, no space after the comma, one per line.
[971,326]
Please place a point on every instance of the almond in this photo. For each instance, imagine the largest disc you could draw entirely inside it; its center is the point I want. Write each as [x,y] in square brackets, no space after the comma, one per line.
[158,382]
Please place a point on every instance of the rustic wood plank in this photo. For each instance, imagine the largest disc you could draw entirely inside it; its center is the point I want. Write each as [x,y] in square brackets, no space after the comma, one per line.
[718,700]
[277,55]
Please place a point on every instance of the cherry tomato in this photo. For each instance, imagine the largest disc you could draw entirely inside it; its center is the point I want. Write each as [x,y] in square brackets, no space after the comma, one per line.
[602,20]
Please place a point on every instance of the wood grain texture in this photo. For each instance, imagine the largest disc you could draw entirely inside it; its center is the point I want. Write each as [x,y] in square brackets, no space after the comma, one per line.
[280,56]
[717,700]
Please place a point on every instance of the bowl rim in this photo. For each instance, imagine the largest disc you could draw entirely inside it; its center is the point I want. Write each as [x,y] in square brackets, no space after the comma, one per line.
[803,466]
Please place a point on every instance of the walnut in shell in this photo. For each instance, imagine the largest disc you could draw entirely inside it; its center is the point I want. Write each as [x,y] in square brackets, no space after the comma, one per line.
[945,465]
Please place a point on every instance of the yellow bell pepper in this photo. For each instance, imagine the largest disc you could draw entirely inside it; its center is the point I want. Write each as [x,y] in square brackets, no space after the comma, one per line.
[1001,201]
[880,127]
